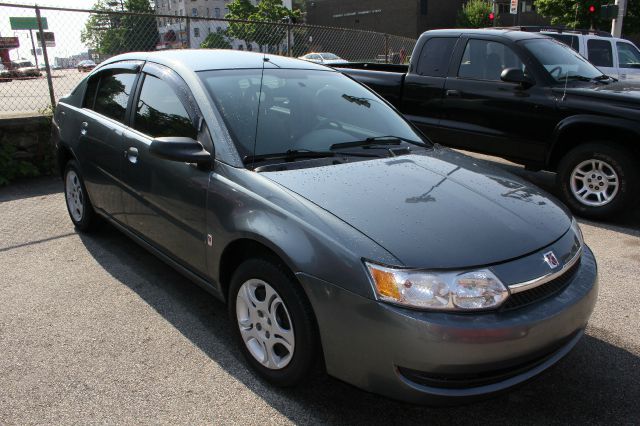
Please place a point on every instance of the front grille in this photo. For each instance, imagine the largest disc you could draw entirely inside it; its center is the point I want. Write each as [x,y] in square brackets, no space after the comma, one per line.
[518,300]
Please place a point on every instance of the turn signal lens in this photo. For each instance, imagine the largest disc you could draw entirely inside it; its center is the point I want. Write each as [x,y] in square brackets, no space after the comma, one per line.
[437,290]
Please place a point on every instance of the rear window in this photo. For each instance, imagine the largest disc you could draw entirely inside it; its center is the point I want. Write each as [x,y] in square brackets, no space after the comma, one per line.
[600,53]
[435,56]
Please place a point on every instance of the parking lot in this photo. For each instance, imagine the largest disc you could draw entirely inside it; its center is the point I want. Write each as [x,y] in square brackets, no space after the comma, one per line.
[32,94]
[93,329]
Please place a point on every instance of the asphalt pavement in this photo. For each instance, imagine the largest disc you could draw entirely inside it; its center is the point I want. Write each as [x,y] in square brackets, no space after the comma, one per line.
[94,329]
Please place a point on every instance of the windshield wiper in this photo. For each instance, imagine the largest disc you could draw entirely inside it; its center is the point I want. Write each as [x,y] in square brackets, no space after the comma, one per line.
[377,140]
[295,154]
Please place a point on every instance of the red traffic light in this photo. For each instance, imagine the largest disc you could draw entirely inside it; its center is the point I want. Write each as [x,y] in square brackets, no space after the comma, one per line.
[492,16]
[592,8]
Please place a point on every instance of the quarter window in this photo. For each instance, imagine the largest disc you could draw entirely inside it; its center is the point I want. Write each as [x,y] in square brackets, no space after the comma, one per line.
[485,60]
[600,53]
[160,113]
[435,56]
[113,94]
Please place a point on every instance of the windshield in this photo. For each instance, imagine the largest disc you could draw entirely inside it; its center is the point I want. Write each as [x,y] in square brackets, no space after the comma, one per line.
[329,56]
[561,61]
[299,110]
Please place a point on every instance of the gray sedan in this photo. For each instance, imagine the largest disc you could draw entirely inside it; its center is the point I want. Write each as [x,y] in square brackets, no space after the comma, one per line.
[334,230]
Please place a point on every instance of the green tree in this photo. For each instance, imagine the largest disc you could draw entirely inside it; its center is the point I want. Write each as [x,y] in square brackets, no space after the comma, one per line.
[265,11]
[575,14]
[113,33]
[216,40]
[475,14]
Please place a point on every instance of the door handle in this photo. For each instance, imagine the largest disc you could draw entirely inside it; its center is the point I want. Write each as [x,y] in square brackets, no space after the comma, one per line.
[84,126]
[453,93]
[131,154]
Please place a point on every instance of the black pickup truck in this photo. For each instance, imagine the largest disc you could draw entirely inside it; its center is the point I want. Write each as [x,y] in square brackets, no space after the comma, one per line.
[527,98]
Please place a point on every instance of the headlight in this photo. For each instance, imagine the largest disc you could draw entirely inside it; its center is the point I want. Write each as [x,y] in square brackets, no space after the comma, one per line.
[577,231]
[447,291]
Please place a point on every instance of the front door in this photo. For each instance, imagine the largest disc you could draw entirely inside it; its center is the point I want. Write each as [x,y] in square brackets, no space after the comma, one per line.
[164,201]
[485,114]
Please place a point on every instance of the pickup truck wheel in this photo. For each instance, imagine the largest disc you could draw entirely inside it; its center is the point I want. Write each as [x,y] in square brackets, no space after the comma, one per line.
[273,322]
[78,203]
[597,180]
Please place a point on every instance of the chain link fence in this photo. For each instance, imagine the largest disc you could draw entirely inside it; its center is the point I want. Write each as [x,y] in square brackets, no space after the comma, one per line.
[44,59]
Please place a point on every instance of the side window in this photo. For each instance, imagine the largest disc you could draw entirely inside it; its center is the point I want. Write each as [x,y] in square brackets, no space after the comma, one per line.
[628,55]
[90,93]
[435,56]
[160,113]
[113,94]
[485,60]
[600,53]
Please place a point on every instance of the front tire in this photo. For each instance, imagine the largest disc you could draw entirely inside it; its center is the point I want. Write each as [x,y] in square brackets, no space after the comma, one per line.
[273,322]
[597,180]
[78,204]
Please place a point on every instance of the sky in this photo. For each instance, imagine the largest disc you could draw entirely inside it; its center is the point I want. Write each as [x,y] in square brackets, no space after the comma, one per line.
[65,25]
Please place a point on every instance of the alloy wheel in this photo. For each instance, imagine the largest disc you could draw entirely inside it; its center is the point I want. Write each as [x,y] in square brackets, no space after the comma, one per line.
[74,195]
[265,324]
[594,183]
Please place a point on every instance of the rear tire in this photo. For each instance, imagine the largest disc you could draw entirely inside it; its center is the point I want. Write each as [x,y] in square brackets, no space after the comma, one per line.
[79,206]
[598,180]
[273,322]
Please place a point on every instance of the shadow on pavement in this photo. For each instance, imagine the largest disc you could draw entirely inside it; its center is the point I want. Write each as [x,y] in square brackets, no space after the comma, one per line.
[596,383]
[31,187]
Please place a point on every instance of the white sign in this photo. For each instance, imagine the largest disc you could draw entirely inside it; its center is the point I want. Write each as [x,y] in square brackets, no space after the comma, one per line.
[514,7]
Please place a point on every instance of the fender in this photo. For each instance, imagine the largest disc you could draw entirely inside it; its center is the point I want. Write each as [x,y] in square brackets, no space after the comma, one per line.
[588,120]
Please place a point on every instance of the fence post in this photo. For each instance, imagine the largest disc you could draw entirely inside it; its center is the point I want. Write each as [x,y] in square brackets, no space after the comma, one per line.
[289,40]
[46,59]
[386,48]
[188,28]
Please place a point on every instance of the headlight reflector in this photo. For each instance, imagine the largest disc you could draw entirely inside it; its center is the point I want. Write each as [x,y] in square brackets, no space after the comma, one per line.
[438,290]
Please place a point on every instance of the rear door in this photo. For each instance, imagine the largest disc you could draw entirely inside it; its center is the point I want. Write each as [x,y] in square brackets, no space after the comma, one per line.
[100,147]
[164,201]
[600,53]
[424,86]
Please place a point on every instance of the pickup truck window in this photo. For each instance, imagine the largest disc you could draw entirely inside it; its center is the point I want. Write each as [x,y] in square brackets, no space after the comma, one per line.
[287,109]
[435,56]
[600,53]
[628,55]
[570,40]
[485,60]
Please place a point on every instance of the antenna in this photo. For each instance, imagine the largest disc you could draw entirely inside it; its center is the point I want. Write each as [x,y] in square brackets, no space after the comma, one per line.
[566,76]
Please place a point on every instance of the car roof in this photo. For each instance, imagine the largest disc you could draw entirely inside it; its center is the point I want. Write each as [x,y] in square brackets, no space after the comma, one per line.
[216,59]
[511,34]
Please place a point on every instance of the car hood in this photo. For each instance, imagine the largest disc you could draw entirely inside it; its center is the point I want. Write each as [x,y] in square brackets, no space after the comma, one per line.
[440,209]
[621,90]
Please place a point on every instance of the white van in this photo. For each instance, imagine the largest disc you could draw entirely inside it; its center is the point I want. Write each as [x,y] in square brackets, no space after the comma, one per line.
[615,57]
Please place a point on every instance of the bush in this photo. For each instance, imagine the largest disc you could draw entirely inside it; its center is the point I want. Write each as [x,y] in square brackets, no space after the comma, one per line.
[475,14]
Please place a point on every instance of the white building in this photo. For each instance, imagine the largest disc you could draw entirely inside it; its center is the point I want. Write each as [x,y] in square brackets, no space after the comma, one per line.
[173,28]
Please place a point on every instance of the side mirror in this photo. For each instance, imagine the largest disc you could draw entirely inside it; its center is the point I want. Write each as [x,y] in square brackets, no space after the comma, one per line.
[516,75]
[181,149]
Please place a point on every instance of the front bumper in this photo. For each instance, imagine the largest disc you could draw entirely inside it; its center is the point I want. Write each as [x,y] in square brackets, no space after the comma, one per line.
[444,358]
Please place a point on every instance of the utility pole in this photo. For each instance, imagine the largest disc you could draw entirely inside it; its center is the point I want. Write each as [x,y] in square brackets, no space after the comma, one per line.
[616,24]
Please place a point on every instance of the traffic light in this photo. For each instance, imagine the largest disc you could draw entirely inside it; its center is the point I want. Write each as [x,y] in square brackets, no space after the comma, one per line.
[592,9]
[609,11]
[492,16]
